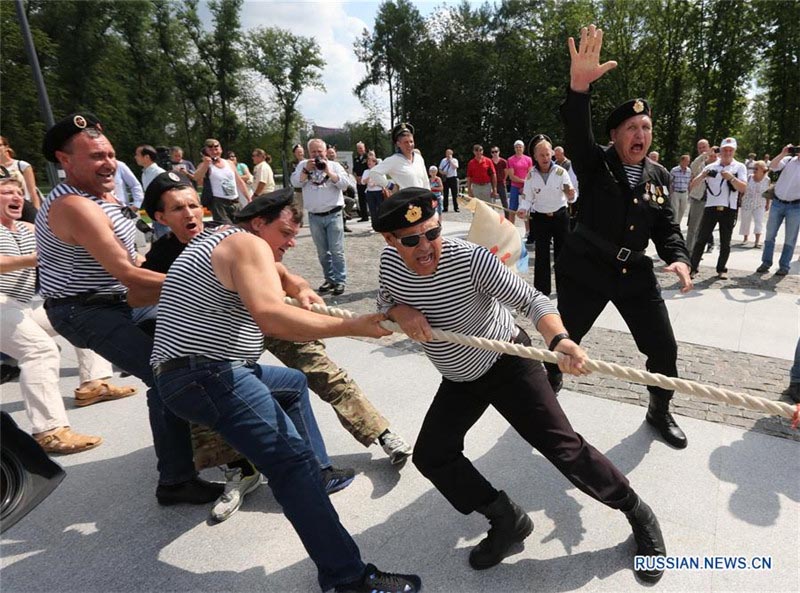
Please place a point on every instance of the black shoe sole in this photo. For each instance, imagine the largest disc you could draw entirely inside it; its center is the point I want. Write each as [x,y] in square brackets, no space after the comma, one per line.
[678,444]
[519,537]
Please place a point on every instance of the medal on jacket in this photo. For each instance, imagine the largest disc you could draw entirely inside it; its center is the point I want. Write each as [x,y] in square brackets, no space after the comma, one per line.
[647,196]
[660,198]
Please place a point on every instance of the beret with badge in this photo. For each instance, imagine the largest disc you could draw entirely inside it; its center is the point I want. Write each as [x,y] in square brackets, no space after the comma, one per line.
[400,129]
[266,204]
[57,136]
[628,109]
[163,182]
[409,206]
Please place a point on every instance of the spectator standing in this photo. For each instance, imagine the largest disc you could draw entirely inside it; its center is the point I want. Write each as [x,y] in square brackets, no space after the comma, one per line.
[24,171]
[750,163]
[680,177]
[374,193]
[785,208]
[706,155]
[145,156]
[298,154]
[242,169]
[518,166]
[359,166]
[322,182]
[481,176]
[724,180]
[437,186]
[754,204]
[221,177]
[406,166]
[127,189]
[562,161]
[449,169]
[500,167]
[263,175]
[546,193]
[653,156]
[180,164]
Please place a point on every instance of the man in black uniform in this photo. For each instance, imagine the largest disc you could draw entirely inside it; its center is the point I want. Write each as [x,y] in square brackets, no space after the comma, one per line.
[359,166]
[624,204]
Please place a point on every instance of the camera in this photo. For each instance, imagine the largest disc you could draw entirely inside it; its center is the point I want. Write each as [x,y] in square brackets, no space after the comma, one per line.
[793,150]
[320,164]
[716,150]
[712,173]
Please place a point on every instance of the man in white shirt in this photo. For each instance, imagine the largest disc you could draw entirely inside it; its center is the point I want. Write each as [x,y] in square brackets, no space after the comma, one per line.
[785,207]
[448,167]
[145,156]
[127,189]
[724,180]
[680,176]
[322,182]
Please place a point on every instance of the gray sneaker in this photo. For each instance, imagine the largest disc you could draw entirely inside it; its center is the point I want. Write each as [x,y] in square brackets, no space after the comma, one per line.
[236,488]
[395,447]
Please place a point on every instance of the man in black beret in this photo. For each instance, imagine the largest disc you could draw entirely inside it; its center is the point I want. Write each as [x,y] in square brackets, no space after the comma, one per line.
[233,278]
[89,278]
[427,282]
[625,204]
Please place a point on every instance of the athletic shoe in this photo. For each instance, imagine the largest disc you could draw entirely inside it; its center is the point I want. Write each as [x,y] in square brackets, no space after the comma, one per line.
[782,272]
[375,580]
[236,488]
[335,478]
[395,447]
[762,269]
[327,286]
[338,289]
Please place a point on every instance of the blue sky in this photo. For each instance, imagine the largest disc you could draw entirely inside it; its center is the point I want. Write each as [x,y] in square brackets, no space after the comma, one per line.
[335,25]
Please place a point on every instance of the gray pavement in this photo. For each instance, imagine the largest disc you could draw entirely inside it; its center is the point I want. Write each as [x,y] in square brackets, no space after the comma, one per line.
[734,491]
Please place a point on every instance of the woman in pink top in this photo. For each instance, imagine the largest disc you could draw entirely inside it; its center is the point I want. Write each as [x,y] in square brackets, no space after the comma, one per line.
[518,167]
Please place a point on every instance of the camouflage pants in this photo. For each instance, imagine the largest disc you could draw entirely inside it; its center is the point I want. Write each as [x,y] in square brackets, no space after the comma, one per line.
[326,379]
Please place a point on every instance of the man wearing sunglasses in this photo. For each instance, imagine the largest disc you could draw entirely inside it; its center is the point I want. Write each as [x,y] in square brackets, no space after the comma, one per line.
[417,267]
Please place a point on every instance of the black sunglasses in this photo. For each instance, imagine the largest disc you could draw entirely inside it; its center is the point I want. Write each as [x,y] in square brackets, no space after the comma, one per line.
[212,145]
[413,240]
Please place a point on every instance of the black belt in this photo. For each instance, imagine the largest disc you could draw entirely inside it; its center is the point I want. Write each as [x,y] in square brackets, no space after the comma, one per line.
[777,199]
[607,248]
[89,298]
[182,362]
[334,211]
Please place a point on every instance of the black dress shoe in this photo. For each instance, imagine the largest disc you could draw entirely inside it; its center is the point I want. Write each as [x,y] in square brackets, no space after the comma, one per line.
[659,417]
[194,491]
[649,540]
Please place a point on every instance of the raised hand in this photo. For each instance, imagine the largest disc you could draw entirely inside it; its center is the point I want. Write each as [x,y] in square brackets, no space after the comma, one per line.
[585,66]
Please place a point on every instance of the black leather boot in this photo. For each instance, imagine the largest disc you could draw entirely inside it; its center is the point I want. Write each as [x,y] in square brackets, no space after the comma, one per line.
[649,541]
[658,416]
[510,525]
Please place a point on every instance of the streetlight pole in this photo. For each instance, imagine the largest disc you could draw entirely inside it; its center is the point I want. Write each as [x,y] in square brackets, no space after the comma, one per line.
[44,101]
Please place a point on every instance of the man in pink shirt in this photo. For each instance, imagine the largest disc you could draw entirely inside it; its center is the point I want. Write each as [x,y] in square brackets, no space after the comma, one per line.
[518,167]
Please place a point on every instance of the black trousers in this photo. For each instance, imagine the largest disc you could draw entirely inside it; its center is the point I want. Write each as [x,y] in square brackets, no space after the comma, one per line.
[726,218]
[223,210]
[643,310]
[518,389]
[363,210]
[450,187]
[546,229]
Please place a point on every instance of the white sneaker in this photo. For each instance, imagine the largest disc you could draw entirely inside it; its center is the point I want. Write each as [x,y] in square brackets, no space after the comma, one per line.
[395,447]
[236,488]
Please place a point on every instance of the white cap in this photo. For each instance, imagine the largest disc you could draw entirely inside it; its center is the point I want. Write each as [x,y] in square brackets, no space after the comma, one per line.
[433,168]
[519,143]
[728,142]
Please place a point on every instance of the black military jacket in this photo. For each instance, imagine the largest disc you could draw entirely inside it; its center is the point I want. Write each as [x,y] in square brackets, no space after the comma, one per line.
[621,216]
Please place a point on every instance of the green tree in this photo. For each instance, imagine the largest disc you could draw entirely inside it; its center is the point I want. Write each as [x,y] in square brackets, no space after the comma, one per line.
[292,64]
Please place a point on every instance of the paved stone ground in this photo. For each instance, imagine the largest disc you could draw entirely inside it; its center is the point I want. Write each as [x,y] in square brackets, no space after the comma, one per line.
[758,375]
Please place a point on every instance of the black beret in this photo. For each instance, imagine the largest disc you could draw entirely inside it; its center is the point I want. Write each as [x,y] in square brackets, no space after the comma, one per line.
[409,206]
[163,183]
[400,129]
[626,110]
[536,139]
[57,136]
[266,204]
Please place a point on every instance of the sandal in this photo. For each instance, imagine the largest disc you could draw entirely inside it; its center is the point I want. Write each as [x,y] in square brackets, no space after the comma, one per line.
[103,392]
[65,442]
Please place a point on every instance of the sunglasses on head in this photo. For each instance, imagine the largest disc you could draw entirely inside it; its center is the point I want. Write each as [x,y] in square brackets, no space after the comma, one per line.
[413,240]
[212,145]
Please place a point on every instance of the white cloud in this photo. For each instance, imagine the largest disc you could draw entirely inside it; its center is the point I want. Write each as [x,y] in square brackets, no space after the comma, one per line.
[329,24]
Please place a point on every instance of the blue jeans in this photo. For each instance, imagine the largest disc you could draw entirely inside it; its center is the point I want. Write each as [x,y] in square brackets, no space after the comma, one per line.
[794,372]
[328,235]
[109,331]
[778,212]
[259,410]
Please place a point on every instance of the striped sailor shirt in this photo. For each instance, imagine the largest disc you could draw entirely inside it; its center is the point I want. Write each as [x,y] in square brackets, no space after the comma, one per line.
[197,315]
[470,292]
[19,284]
[67,270]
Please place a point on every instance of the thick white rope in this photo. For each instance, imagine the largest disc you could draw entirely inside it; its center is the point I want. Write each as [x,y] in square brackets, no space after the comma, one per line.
[758,404]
